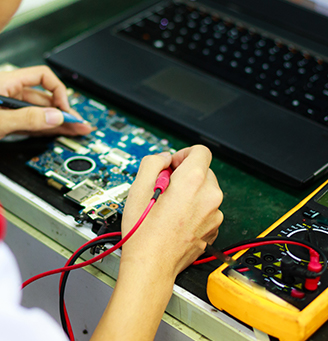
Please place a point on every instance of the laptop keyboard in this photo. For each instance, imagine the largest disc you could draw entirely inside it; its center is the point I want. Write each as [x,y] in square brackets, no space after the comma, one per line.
[256,63]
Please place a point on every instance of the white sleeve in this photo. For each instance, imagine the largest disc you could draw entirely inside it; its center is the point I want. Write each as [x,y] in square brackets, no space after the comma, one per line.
[17,322]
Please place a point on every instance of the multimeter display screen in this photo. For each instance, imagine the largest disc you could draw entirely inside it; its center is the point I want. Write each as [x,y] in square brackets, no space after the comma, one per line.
[323,200]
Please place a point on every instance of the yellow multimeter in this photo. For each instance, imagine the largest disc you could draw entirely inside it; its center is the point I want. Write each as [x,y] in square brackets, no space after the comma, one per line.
[266,294]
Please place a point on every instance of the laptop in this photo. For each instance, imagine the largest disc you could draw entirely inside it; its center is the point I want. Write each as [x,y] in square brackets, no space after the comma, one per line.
[248,78]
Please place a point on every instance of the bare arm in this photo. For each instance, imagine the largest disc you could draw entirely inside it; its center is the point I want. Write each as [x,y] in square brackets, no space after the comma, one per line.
[173,235]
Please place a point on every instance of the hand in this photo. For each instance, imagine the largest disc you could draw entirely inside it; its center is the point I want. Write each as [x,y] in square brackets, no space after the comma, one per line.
[183,220]
[34,120]
[173,235]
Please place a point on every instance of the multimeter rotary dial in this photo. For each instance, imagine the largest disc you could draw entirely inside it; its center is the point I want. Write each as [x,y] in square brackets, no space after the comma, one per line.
[315,234]
[296,302]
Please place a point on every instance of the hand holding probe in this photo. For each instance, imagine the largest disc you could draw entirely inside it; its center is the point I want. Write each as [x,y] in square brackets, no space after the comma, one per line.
[163,179]
[13,103]
[162,182]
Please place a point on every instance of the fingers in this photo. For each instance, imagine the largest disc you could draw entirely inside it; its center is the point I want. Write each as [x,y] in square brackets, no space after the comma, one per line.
[196,156]
[214,197]
[33,76]
[212,179]
[17,84]
[213,230]
[213,238]
[150,168]
[69,129]
[29,119]
[185,218]
[37,97]
[41,98]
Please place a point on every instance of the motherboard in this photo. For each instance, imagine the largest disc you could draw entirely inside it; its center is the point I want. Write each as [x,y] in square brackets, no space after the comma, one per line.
[96,171]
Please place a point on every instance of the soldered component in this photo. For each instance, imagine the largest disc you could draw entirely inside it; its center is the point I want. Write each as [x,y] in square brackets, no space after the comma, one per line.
[138,140]
[119,193]
[123,195]
[100,133]
[121,153]
[118,157]
[99,147]
[97,105]
[102,213]
[152,148]
[58,150]
[55,184]
[118,125]
[105,212]
[149,137]
[59,178]
[73,145]
[115,170]
[82,191]
[88,194]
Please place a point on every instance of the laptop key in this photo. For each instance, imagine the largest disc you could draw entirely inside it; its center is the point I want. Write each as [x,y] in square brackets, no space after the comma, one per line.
[243,57]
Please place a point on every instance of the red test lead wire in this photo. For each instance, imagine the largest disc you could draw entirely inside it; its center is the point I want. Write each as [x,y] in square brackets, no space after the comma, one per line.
[96,258]
[255,244]
[104,254]
[161,185]
[69,326]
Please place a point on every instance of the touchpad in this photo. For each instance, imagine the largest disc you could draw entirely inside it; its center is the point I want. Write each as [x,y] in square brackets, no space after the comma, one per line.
[184,89]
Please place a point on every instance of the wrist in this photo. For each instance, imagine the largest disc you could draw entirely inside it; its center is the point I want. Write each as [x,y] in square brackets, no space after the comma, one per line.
[138,302]
[148,267]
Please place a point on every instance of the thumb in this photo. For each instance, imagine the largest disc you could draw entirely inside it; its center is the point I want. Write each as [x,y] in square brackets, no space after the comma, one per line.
[29,119]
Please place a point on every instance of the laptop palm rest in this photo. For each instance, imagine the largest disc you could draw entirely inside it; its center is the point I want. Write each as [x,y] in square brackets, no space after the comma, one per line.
[201,97]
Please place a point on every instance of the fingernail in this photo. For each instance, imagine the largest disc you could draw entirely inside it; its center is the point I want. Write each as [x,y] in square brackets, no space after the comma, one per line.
[53,116]
[167,155]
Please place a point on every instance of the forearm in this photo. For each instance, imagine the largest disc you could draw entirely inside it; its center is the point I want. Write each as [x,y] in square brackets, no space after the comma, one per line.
[137,304]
